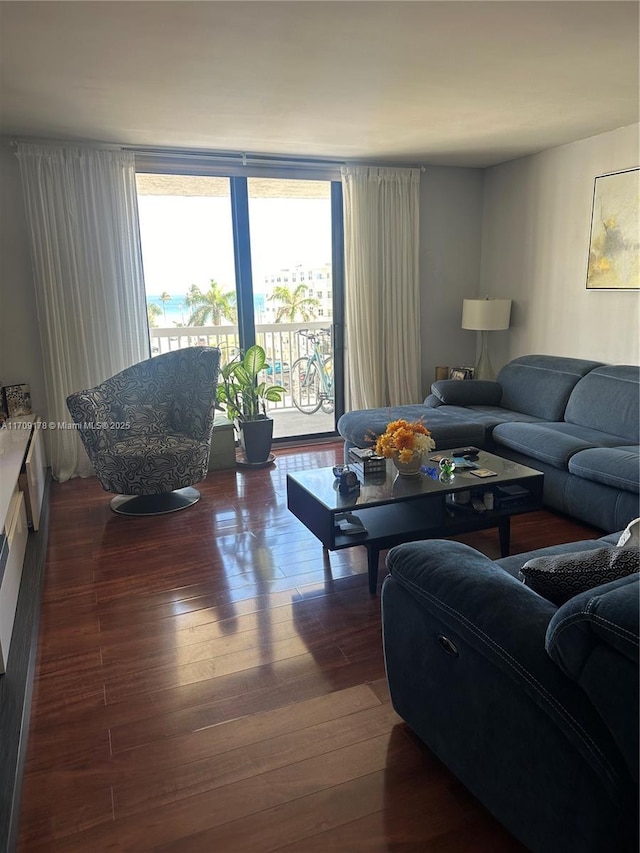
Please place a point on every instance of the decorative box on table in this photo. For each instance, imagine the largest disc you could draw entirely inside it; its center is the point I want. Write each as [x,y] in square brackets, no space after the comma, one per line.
[365,462]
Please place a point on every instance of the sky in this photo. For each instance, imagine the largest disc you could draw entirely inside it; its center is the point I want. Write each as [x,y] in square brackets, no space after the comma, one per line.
[188,240]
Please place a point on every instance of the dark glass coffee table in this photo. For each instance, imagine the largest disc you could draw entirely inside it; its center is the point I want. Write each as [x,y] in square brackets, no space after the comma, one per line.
[395,509]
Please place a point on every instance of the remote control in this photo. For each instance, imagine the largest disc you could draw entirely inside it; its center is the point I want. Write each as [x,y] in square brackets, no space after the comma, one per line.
[467,452]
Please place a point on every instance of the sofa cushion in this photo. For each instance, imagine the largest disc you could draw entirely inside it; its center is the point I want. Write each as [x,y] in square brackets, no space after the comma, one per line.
[475,393]
[541,385]
[540,441]
[488,416]
[151,464]
[560,577]
[607,399]
[618,467]
[362,426]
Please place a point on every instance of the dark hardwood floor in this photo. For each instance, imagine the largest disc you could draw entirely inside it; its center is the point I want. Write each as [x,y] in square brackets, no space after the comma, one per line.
[212,681]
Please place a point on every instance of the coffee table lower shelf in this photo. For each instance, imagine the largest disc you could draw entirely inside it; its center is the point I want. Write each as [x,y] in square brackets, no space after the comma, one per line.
[375,541]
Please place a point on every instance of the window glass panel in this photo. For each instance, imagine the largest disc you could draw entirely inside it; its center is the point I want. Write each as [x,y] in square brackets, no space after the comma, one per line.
[290,227]
[187,250]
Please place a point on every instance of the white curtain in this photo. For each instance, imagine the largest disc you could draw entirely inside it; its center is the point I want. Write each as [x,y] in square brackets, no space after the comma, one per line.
[381,234]
[82,217]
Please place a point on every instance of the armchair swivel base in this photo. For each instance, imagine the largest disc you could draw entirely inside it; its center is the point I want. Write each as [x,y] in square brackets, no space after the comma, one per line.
[155,504]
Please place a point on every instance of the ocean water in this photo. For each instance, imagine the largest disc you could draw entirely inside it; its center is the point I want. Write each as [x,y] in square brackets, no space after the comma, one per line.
[174,311]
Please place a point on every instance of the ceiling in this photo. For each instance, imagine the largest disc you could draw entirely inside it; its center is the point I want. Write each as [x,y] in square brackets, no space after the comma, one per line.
[456,83]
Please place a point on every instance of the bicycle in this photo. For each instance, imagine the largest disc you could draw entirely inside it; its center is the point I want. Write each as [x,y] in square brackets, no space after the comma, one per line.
[312,378]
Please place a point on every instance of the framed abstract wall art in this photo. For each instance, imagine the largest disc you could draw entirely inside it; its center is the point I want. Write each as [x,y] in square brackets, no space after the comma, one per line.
[614,245]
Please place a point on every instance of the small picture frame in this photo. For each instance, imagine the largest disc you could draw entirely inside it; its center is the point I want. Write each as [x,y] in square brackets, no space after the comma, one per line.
[17,400]
[461,373]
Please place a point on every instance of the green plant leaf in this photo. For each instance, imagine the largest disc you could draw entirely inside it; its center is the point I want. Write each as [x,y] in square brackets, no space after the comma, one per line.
[239,390]
[274,393]
[255,360]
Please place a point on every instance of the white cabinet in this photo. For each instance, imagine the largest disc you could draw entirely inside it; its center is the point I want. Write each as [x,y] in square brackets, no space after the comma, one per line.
[22,483]
[16,532]
[32,480]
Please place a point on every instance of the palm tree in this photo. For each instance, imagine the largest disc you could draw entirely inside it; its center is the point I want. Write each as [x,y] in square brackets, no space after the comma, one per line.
[294,303]
[164,298]
[153,312]
[214,305]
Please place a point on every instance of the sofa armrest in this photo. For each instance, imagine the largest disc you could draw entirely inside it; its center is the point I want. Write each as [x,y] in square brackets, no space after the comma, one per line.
[607,614]
[476,392]
[474,595]
[432,402]
[593,639]
[497,620]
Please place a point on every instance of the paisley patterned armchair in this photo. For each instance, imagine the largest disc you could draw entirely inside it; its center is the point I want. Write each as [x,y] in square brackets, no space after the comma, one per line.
[147,430]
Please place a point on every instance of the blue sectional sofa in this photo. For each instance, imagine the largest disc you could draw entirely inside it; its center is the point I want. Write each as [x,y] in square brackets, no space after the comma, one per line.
[534,707]
[578,421]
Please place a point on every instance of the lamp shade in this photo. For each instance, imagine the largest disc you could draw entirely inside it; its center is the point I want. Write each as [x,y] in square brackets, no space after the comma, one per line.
[486,314]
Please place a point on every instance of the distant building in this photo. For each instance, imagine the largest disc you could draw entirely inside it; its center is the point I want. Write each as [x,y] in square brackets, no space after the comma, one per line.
[317,280]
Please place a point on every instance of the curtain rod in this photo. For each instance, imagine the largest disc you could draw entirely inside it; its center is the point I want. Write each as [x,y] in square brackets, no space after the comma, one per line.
[244,158]
[70,143]
[248,159]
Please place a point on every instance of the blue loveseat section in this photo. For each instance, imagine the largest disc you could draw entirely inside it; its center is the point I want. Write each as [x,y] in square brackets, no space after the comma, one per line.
[534,707]
[576,420]
[590,456]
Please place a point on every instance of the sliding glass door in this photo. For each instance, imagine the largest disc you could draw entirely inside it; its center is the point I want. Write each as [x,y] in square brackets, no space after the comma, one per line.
[230,261]
[290,228]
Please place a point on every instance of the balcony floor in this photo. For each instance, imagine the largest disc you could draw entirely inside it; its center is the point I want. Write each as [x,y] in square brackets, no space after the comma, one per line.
[288,423]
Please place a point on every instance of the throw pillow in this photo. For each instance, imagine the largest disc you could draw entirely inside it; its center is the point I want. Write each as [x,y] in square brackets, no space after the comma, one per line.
[561,576]
[630,537]
[476,392]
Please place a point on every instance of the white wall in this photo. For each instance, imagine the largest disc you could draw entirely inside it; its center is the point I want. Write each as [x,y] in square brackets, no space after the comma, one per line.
[535,238]
[20,352]
[450,242]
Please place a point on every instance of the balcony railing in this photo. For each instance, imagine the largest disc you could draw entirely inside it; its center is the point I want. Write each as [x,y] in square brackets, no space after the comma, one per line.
[282,343]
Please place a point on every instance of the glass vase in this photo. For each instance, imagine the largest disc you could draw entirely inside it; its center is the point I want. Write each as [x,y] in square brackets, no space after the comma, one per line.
[410,468]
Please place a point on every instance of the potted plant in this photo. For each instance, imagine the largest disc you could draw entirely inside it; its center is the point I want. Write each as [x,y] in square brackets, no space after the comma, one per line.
[245,397]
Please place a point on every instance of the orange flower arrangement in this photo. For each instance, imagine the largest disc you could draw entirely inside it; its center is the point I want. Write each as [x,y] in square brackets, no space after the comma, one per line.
[405,439]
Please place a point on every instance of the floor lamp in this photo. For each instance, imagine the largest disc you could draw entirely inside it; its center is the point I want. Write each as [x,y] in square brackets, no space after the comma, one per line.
[485,315]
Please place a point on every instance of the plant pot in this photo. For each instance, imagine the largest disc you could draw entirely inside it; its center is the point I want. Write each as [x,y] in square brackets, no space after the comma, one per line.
[255,439]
